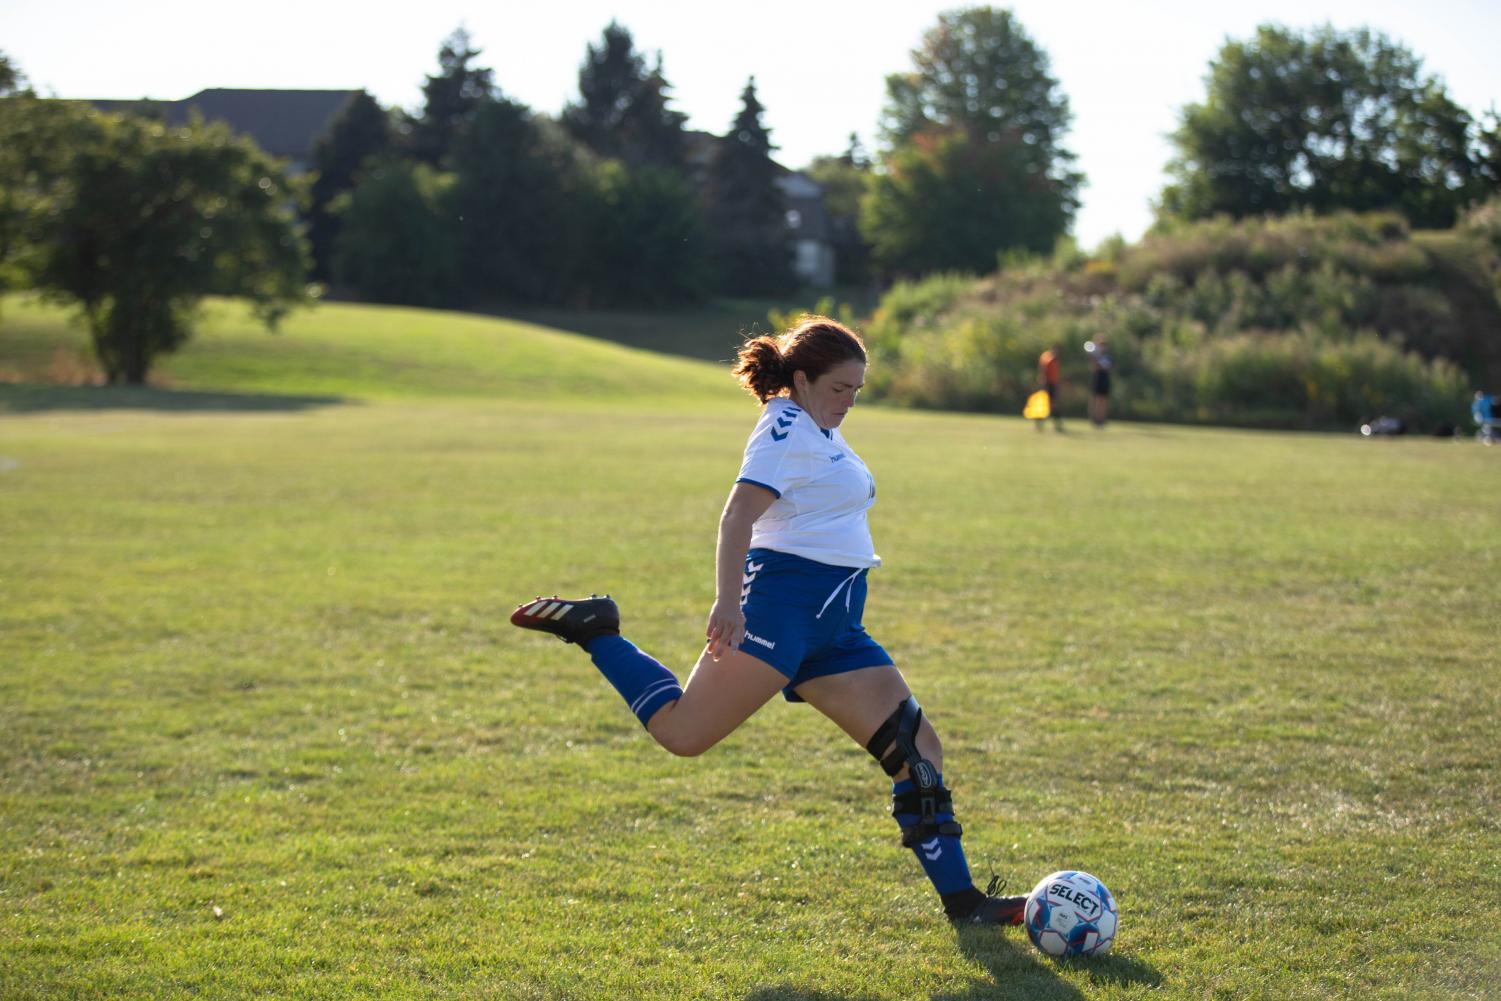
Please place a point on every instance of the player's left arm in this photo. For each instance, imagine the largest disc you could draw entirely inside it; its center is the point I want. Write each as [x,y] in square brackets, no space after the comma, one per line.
[726,626]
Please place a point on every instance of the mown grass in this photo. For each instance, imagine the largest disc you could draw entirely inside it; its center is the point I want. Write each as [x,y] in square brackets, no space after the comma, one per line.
[268,733]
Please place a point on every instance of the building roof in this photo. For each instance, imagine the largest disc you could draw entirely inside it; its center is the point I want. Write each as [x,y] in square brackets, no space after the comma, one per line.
[282,122]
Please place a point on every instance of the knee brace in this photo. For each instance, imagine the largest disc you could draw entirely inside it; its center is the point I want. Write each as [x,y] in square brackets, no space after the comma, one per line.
[928,798]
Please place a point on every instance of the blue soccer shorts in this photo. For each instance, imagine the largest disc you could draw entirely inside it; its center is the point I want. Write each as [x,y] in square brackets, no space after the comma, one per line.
[803,618]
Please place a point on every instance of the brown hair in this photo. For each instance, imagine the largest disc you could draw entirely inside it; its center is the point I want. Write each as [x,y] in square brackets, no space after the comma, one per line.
[815,344]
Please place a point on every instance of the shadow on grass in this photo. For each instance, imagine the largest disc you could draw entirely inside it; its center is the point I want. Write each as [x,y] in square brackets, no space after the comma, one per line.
[1017,973]
[1020,971]
[704,332]
[24,399]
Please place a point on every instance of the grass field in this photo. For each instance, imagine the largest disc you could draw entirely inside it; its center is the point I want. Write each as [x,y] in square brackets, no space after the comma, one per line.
[268,733]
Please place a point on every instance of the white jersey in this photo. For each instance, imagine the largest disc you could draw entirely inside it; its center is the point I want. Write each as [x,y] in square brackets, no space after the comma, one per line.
[823,489]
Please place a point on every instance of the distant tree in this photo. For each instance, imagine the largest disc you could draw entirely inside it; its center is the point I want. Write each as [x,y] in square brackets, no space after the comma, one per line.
[949,202]
[844,179]
[11,80]
[1488,151]
[516,202]
[646,243]
[655,131]
[980,110]
[450,98]
[1323,120]
[979,71]
[747,213]
[134,223]
[360,131]
[396,241]
[622,111]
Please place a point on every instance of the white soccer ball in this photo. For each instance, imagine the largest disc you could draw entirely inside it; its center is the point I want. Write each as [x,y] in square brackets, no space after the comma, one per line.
[1070,913]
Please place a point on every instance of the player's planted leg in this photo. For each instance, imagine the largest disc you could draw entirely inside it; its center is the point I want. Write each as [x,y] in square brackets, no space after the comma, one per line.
[924,810]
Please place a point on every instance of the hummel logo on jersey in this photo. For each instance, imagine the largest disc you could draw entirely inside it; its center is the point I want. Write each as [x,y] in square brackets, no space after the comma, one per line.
[768,644]
[836,458]
[778,437]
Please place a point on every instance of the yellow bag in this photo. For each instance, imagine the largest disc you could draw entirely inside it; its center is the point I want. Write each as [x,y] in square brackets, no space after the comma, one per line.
[1037,406]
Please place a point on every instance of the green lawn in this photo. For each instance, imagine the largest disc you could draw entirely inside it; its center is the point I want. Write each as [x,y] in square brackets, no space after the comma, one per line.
[268,733]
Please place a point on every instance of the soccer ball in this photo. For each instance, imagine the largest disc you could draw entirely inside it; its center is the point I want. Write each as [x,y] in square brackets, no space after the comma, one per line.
[1070,913]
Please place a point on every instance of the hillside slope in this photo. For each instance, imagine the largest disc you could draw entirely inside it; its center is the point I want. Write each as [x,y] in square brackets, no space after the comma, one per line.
[364,352]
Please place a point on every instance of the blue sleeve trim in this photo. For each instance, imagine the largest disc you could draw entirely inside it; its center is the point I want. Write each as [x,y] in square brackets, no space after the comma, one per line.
[763,486]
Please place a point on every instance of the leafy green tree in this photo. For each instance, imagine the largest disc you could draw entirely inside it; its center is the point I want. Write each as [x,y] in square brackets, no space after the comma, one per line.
[977,123]
[622,111]
[646,243]
[450,98]
[949,202]
[135,222]
[747,214]
[1323,120]
[516,201]
[360,131]
[979,71]
[396,240]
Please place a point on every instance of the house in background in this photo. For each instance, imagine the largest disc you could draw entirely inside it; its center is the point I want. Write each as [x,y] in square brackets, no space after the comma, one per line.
[284,123]
[809,227]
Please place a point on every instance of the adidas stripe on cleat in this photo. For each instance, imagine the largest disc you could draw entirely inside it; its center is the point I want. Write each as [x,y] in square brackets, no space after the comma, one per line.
[572,620]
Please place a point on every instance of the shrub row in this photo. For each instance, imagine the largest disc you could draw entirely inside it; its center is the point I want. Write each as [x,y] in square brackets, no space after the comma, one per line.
[1300,322]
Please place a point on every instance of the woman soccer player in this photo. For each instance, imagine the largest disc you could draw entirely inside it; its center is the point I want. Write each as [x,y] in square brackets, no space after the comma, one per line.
[794,550]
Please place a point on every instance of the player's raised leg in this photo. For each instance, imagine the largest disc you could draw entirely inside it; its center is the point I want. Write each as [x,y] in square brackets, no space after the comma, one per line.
[720,694]
[875,707]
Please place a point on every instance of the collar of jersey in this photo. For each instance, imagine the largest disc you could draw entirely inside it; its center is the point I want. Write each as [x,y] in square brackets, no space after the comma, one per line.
[786,401]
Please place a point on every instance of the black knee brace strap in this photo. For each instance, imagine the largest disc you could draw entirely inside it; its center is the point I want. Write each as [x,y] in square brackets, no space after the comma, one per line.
[928,798]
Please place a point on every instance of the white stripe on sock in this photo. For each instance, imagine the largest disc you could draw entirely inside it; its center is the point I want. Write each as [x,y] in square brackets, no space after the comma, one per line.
[654,690]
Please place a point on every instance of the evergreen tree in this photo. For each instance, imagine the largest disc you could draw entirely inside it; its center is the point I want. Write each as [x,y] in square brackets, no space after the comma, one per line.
[450,98]
[622,111]
[752,252]
[361,130]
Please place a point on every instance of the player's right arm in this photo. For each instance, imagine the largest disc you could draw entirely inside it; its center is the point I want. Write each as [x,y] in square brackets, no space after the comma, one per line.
[726,626]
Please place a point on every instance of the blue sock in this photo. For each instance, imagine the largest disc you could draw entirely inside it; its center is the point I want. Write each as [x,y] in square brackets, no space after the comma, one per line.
[941,857]
[645,684]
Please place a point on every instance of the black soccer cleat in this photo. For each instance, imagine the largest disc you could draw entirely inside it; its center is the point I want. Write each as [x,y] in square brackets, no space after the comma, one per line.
[990,909]
[572,620]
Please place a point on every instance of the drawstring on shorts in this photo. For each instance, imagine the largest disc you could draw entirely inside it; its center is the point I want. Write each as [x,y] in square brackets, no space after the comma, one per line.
[850,581]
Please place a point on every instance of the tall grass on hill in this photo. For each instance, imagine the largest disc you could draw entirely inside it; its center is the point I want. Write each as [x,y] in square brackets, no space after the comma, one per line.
[1298,322]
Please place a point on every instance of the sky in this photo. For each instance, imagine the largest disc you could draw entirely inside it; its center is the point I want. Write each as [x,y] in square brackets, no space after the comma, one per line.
[1126,69]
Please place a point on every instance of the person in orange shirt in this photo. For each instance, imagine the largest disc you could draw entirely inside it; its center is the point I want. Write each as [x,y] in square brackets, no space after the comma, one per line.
[1048,378]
